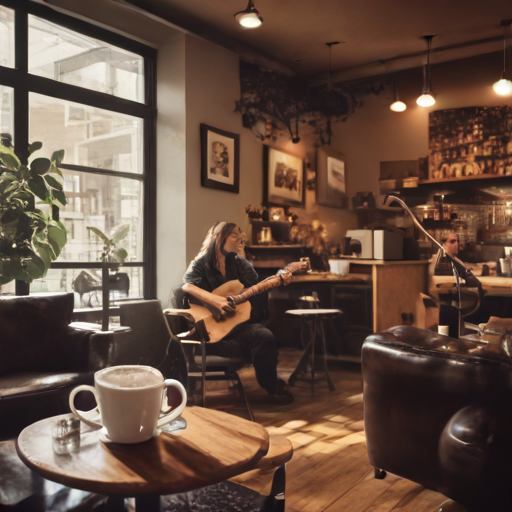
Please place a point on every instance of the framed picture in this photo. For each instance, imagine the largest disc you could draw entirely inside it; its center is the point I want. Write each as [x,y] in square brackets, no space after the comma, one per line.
[331,181]
[283,178]
[220,159]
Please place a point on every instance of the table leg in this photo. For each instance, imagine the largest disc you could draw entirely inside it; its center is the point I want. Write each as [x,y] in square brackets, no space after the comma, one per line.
[147,503]
[303,360]
[327,376]
[115,504]
[313,337]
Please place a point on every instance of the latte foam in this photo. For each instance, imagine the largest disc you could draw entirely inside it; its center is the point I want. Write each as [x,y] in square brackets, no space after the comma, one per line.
[130,377]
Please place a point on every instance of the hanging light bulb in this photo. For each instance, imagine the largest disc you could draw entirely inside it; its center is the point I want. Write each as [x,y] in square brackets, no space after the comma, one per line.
[397,105]
[503,87]
[426,99]
[250,18]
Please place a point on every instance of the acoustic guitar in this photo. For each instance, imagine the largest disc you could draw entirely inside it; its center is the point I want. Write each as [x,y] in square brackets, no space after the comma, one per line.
[217,328]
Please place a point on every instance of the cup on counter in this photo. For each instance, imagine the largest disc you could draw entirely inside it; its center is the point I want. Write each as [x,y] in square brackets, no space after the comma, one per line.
[340,267]
[443,329]
[131,399]
[505,266]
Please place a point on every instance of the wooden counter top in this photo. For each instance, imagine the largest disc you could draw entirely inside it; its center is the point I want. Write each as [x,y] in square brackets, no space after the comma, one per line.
[327,277]
[493,285]
[360,261]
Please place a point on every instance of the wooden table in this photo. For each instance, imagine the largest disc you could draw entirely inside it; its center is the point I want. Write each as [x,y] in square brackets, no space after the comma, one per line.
[215,446]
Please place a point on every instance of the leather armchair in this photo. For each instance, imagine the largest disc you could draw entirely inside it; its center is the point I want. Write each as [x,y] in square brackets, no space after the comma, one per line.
[437,411]
[42,358]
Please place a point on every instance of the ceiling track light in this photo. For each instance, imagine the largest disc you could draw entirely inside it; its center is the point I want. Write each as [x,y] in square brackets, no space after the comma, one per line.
[503,87]
[426,99]
[250,18]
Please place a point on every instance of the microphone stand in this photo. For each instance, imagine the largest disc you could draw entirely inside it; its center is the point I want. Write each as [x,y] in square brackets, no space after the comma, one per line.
[388,200]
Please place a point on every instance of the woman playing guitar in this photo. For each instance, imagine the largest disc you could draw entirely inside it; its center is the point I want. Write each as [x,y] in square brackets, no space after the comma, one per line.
[218,262]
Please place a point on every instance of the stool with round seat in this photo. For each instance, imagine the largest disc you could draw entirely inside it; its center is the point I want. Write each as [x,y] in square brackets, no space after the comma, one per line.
[311,318]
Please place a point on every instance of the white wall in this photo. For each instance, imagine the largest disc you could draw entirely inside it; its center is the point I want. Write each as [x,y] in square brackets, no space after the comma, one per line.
[171,167]
[213,85]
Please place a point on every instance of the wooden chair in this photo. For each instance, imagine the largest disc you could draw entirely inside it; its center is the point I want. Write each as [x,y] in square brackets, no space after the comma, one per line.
[194,337]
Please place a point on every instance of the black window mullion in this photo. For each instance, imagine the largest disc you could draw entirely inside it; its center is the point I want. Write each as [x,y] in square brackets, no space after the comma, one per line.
[104,172]
[61,90]
[149,224]
[21,40]
[20,92]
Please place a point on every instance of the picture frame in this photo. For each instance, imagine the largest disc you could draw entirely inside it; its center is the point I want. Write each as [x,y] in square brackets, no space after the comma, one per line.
[331,179]
[220,159]
[284,178]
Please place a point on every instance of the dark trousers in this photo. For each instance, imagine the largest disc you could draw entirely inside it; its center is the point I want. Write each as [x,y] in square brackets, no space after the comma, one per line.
[255,343]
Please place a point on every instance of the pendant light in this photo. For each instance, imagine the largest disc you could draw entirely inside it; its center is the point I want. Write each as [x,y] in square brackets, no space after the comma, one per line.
[250,18]
[427,98]
[397,105]
[503,87]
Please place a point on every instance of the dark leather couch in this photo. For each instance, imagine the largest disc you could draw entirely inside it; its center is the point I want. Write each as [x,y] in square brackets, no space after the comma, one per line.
[438,411]
[42,358]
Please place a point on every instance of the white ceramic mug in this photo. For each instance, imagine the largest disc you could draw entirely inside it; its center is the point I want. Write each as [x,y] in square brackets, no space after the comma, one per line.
[130,400]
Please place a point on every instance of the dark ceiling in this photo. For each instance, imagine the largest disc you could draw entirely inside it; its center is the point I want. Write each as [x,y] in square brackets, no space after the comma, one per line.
[294,32]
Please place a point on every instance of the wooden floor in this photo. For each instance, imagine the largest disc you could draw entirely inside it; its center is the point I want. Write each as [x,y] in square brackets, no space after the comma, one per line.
[330,470]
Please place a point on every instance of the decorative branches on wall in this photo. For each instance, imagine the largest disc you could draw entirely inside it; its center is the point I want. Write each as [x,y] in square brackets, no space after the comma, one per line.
[271,101]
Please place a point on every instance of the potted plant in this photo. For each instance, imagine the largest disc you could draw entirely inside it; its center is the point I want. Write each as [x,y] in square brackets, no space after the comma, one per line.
[111,253]
[30,239]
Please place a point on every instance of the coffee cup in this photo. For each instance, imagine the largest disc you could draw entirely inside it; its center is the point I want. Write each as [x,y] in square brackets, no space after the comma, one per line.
[130,399]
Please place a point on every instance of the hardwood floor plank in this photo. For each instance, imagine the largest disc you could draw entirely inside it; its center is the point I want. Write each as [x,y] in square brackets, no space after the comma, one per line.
[330,470]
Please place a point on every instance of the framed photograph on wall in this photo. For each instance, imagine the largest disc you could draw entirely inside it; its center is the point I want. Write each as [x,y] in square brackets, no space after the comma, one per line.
[283,178]
[331,179]
[220,159]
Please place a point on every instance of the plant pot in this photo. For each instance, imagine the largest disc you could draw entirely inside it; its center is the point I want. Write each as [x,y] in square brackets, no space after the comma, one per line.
[22,287]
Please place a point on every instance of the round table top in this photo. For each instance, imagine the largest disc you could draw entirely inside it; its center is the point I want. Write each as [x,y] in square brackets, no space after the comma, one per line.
[215,446]
[324,313]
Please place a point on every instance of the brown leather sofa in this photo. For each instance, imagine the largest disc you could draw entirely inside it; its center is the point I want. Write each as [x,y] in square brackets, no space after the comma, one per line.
[438,411]
[42,358]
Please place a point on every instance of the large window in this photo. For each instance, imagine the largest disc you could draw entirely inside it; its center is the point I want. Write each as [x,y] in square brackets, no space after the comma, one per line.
[77,87]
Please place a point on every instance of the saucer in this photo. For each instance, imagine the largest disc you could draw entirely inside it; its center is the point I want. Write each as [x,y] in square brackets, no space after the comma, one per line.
[104,438]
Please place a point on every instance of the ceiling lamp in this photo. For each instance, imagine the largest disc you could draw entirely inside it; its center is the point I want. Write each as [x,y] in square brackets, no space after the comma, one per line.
[250,18]
[427,98]
[503,86]
[397,105]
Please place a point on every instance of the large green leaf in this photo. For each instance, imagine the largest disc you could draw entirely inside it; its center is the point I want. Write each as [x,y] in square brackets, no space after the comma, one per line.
[11,267]
[36,267]
[53,182]
[37,185]
[10,160]
[58,156]
[35,146]
[40,165]
[121,232]
[57,237]
[13,186]
[60,196]
[120,255]
[99,234]
[6,139]
[55,170]
[24,172]
[45,251]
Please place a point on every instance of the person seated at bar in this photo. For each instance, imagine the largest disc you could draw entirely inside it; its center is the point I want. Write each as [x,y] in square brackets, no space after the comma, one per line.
[451,245]
[218,262]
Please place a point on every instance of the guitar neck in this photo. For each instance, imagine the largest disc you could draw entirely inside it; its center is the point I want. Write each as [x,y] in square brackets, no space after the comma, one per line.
[283,277]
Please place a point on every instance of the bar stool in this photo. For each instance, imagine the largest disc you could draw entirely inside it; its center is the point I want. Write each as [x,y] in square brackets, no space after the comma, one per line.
[312,319]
